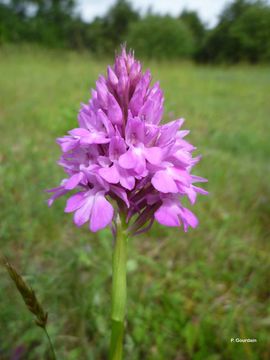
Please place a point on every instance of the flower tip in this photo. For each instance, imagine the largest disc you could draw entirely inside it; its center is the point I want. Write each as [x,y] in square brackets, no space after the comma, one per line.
[123,46]
[49,202]
[182,120]
[112,76]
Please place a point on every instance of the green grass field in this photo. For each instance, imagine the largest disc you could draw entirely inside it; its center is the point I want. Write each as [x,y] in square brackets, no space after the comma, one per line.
[188,294]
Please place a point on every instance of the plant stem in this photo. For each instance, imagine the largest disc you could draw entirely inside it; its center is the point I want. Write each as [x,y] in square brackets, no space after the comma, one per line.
[50,343]
[119,291]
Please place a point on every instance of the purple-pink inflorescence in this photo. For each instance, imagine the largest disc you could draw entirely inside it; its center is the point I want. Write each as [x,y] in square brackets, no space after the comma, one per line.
[122,153]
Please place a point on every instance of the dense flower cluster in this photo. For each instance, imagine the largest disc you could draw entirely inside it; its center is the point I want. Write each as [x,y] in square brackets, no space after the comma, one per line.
[120,152]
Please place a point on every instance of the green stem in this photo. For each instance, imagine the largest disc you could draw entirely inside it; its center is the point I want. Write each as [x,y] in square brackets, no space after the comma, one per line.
[117,335]
[50,343]
[119,291]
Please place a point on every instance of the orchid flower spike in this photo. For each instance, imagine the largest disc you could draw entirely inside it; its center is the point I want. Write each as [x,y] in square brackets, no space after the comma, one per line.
[120,160]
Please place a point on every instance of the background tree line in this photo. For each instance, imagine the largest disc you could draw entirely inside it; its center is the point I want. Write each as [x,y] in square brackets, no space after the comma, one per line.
[241,34]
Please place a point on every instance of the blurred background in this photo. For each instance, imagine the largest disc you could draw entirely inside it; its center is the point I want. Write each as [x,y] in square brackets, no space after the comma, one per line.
[208,31]
[188,294]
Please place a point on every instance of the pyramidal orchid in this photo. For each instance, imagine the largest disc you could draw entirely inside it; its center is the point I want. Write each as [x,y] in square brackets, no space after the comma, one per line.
[127,169]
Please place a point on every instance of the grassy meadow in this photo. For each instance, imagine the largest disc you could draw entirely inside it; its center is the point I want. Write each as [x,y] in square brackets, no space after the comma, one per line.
[188,294]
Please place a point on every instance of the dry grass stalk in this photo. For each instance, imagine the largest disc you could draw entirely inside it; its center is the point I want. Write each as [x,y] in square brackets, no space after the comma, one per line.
[27,293]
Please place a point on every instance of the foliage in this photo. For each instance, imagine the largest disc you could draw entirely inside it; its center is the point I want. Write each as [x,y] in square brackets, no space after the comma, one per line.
[189,294]
[44,22]
[197,28]
[242,32]
[105,34]
[118,20]
[161,38]
[193,22]
[252,34]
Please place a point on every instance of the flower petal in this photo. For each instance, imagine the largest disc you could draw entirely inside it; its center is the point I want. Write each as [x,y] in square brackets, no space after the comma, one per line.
[167,215]
[188,218]
[114,111]
[74,202]
[126,180]
[163,182]
[73,181]
[112,76]
[128,160]
[110,174]
[102,213]
[79,132]
[153,155]
[82,215]
[58,191]
[121,193]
